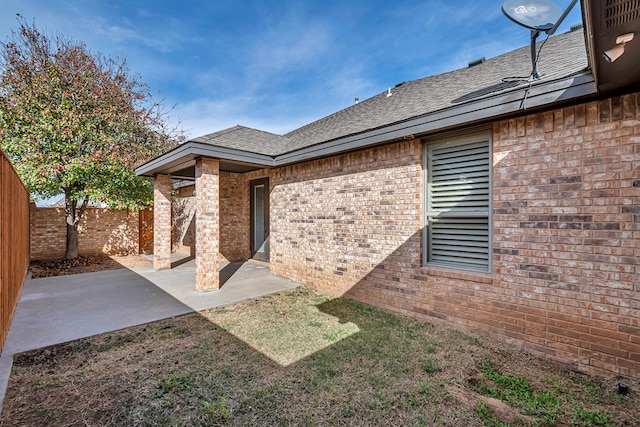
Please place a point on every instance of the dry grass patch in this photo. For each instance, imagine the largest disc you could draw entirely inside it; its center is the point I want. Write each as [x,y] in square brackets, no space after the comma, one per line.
[302,358]
[285,329]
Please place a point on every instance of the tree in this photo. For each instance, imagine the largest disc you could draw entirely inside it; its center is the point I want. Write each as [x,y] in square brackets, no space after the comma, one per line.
[77,123]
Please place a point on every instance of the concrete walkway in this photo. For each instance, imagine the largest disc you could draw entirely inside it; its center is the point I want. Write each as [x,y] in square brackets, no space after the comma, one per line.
[65,308]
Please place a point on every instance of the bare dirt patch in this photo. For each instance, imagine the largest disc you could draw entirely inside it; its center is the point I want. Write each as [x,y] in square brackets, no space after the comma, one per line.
[85,264]
[302,358]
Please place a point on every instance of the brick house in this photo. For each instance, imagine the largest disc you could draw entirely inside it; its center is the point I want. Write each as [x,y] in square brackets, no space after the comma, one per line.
[506,207]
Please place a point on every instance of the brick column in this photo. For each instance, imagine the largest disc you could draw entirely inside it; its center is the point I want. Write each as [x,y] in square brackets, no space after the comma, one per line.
[207,224]
[161,222]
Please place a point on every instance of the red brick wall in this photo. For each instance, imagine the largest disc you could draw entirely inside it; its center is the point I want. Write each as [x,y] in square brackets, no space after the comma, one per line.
[183,222]
[234,216]
[207,200]
[567,232]
[335,221]
[566,274]
[100,231]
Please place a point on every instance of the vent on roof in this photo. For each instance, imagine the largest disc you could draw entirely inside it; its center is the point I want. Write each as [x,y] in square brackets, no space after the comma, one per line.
[477,62]
[576,27]
[618,12]
[400,84]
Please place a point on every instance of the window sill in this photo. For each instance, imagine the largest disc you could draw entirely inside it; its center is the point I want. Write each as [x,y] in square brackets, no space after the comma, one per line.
[470,276]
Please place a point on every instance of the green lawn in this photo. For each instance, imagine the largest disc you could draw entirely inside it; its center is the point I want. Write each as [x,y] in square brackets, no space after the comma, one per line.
[303,358]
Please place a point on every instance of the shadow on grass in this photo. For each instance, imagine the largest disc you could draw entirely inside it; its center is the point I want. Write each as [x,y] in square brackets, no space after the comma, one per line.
[160,373]
[220,367]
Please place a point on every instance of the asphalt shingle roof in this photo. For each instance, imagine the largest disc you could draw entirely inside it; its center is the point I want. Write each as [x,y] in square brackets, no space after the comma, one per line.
[561,55]
[245,139]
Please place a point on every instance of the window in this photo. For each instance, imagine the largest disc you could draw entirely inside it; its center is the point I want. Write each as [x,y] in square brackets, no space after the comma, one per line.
[458,203]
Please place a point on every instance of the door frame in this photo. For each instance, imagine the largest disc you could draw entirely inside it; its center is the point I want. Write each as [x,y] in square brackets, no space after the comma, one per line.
[252,185]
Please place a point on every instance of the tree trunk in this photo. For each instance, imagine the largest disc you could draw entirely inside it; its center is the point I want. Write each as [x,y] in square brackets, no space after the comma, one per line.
[72,216]
[72,241]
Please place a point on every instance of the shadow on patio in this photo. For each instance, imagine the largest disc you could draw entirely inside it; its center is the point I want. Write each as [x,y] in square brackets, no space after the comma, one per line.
[238,281]
[58,309]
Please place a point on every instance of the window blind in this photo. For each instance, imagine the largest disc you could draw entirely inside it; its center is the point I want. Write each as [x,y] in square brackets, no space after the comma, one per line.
[458,203]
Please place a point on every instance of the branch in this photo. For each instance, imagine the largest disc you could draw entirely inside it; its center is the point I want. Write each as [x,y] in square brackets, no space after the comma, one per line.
[83,207]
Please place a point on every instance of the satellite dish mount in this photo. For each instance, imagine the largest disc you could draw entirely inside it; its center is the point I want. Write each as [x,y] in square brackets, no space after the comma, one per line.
[538,16]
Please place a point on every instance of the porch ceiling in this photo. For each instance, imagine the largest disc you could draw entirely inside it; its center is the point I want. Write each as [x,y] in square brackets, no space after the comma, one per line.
[187,169]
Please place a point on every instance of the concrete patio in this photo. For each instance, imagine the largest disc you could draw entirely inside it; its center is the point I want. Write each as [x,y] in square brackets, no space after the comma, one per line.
[65,308]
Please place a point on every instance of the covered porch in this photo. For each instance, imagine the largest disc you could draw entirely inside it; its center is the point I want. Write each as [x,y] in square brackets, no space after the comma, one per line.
[229,208]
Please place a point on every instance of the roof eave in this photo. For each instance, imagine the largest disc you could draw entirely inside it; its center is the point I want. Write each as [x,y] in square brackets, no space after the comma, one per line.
[491,108]
[185,154]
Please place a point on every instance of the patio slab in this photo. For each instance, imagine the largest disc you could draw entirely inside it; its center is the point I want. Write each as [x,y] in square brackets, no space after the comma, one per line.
[64,308]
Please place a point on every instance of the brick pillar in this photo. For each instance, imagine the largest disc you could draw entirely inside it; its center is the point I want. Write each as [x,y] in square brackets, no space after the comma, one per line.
[161,222]
[207,224]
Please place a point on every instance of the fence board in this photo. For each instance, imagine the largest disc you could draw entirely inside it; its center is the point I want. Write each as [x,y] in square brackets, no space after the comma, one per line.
[14,241]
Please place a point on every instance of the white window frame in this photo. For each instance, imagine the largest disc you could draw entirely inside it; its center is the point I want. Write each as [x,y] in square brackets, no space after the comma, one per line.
[429,215]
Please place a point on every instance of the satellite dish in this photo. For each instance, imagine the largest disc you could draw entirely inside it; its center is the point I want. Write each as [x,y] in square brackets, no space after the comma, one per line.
[538,16]
[533,14]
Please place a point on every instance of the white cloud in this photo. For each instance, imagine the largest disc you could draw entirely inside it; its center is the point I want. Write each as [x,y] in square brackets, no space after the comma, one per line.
[161,41]
[202,116]
[298,47]
[284,52]
[279,114]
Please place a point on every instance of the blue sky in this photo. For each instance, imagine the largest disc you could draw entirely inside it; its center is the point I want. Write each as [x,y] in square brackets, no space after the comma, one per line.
[276,65]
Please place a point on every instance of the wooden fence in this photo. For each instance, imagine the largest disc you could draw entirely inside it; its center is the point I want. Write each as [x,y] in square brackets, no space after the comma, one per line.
[14,242]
